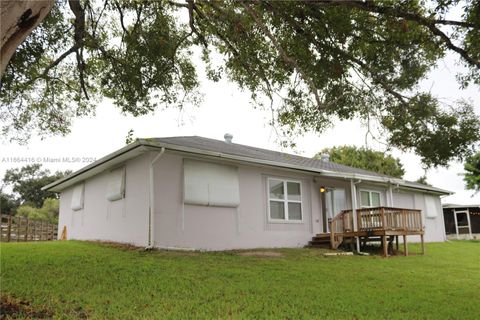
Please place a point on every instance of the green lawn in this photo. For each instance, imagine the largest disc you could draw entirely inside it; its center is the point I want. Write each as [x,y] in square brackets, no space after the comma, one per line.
[79,279]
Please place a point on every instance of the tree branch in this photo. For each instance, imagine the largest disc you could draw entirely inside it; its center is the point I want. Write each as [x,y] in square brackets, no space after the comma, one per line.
[430,24]
[79,36]
[284,55]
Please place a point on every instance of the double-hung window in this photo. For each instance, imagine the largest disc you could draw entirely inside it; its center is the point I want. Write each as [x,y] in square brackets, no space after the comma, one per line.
[369,199]
[284,200]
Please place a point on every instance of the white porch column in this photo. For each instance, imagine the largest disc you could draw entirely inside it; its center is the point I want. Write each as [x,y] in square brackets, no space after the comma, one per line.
[456,222]
[390,197]
[353,189]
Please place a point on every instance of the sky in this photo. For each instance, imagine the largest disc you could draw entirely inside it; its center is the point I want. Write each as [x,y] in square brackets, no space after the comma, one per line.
[226,108]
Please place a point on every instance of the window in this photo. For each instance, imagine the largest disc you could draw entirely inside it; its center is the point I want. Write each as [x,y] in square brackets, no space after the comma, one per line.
[77,198]
[210,184]
[369,198]
[284,200]
[116,185]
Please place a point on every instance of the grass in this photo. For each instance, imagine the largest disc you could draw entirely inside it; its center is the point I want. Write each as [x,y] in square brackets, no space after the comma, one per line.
[97,281]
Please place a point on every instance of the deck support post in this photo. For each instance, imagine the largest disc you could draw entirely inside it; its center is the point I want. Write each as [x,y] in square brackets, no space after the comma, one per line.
[405,246]
[385,246]
[332,234]
[396,242]
[423,243]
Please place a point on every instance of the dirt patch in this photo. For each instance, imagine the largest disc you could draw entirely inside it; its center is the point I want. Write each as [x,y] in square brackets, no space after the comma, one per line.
[118,245]
[131,247]
[261,254]
[11,308]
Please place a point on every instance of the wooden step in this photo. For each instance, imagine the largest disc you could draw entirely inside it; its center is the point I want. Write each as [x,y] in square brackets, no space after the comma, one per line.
[321,240]
[313,244]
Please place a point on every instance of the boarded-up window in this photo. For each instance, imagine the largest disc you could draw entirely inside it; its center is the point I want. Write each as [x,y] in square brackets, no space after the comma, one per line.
[116,184]
[77,197]
[431,207]
[210,184]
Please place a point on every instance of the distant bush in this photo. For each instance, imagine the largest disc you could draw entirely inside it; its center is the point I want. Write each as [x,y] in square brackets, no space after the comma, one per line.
[48,211]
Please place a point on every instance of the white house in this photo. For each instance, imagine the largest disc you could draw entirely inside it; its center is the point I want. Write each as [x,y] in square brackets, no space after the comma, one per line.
[199,193]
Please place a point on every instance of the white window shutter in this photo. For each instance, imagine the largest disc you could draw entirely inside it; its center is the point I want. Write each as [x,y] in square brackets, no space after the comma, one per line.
[116,184]
[77,198]
[210,184]
[430,207]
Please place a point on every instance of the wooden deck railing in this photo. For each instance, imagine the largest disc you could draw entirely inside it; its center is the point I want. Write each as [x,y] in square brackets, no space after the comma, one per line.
[374,219]
[386,218]
[14,228]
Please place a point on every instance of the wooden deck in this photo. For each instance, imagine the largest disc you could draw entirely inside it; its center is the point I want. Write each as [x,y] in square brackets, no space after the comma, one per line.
[372,224]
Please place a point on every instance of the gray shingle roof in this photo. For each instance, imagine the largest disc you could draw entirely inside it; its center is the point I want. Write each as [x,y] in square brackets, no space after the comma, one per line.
[202,145]
[236,149]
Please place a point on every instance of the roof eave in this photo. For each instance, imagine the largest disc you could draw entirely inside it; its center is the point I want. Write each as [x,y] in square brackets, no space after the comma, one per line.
[79,175]
[145,145]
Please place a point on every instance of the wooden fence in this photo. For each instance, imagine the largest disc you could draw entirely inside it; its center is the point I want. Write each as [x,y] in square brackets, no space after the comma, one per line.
[22,229]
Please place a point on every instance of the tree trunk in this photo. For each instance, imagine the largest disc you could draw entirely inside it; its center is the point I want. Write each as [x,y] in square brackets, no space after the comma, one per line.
[17,20]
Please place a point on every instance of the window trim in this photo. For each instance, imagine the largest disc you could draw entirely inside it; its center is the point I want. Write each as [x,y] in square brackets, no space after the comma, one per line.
[285,201]
[370,191]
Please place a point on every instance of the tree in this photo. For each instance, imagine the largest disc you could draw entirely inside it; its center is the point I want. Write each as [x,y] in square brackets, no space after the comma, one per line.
[8,204]
[18,19]
[366,159]
[27,183]
[472,173]
[48,212]
[423,180]
[309,61]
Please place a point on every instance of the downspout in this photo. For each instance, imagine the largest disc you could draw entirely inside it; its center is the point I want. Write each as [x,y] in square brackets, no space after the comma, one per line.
[353,190]
[151,202]
[390,196]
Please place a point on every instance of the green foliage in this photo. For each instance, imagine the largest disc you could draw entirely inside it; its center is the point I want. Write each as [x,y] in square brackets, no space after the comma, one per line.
[85,280]
[311,62]
[8,203]
[27,183]
[48,212]
[129,138]
[366,159]
[423,180]
[472,173]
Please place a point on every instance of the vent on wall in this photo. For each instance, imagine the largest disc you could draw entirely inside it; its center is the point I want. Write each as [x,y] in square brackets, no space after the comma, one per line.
[210,184]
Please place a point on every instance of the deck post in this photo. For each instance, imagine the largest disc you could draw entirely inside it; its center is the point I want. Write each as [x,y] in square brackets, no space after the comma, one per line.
[384,220]
[405,246]
[396,242]
[385,246]
[332,233]
[423,243]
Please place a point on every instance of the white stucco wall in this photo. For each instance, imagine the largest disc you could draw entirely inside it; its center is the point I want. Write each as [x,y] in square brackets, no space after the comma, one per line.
[124,220]
[218,228]
[434,227]
[212,228]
